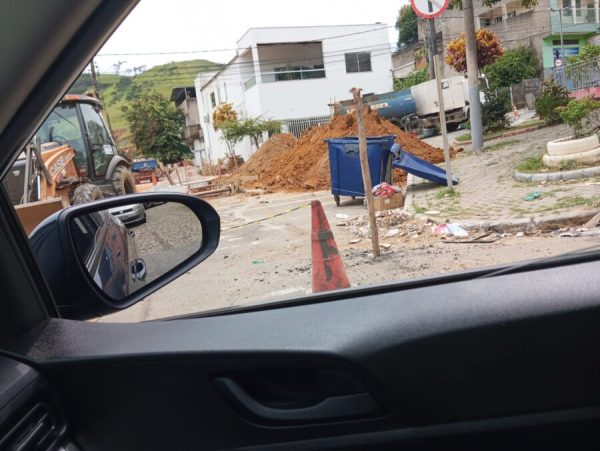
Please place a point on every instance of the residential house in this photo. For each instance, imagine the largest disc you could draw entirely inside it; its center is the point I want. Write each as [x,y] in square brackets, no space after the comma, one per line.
[294,74]
[185,100]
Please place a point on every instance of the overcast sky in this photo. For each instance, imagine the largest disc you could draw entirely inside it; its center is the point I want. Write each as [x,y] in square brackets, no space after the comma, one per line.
[191,25]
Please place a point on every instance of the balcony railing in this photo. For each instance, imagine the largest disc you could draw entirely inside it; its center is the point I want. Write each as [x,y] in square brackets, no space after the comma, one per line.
[293,74]
[585,74]
[579,20]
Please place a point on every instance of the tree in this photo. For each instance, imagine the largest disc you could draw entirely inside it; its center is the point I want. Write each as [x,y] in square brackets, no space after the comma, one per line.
[224,113]
[512,67]
[225,119]
[406,23]
[157,128]
[255,127]
[473,85]
[489,49]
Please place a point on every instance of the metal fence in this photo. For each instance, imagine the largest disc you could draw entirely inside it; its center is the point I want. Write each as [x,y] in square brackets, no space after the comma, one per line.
[297,126]
[581,75]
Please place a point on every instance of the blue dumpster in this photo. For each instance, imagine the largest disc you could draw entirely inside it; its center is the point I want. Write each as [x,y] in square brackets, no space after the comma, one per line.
[344,164]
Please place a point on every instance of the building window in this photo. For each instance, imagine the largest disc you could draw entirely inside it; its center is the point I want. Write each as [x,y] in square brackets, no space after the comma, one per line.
[358,62]
[213,100]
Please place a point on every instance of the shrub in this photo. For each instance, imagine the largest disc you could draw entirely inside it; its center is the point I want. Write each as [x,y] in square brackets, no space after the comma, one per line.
[413,78]
[552,96]
[489,49]
[580,115]
[495,108]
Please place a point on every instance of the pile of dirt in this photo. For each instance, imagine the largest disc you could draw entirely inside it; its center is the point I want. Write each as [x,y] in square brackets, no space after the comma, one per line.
[269,150]
[305,166]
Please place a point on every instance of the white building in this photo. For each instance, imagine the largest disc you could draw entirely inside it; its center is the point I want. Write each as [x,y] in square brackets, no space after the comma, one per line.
[294,74]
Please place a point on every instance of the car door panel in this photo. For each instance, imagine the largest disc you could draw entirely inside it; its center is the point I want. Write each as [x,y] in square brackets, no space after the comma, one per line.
[493,349]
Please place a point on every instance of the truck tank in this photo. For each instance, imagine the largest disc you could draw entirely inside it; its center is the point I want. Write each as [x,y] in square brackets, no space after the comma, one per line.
[395,104]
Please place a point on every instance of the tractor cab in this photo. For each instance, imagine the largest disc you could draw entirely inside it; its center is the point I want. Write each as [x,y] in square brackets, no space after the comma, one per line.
[76,121]
[72,159]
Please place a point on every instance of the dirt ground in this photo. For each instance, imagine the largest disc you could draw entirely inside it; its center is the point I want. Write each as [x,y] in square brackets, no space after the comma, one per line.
[270,260]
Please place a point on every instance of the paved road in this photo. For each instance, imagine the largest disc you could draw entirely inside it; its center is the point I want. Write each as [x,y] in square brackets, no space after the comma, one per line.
[271,260]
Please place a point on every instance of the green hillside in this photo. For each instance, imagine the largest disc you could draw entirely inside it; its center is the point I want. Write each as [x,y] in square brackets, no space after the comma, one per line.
[119,90]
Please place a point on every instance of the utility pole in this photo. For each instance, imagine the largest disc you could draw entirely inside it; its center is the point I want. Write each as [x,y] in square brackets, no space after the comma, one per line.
[366,173]
[94,79]
[473,77]
[440,94]
[96,88]
[431,50]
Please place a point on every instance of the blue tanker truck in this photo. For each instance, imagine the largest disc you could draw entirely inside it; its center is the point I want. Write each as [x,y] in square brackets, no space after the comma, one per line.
[416,109]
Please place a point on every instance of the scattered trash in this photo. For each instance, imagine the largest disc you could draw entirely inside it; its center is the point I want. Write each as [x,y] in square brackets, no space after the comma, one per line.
[532,196]
[568,234]
[355,240]
[457,230]
[385,245]
[450,230]
[520,234]
[433,212]
[385,190]
[257,262]
[392,232]
[341,216]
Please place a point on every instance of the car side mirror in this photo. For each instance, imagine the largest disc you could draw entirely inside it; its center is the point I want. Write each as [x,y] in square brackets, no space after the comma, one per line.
[104,256]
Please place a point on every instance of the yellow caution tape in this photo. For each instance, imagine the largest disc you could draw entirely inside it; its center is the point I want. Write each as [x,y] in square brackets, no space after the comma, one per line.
[281,213]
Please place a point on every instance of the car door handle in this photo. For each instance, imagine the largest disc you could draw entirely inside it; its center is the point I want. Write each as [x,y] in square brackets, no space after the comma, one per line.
[343,406]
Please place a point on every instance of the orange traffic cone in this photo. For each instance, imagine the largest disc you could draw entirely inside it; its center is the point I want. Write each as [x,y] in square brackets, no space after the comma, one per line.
[328,272]
[154,179]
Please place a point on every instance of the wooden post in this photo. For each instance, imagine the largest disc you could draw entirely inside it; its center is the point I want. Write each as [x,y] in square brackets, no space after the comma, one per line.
[167,175]
[177,172]
[364,166]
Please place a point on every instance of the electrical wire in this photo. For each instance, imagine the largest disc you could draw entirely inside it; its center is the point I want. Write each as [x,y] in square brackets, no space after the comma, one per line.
[326,38]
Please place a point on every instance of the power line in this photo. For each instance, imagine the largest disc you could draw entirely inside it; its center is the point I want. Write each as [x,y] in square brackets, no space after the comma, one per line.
[326,38]
[241,65]
[249,70]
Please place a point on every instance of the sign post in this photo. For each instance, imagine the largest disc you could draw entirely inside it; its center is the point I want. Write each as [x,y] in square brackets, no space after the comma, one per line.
[430,9]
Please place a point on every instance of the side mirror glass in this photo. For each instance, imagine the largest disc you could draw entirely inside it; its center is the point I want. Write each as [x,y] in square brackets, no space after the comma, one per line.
[124,248]
[105,256]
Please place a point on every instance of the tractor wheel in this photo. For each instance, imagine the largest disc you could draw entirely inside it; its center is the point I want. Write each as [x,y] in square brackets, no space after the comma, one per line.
[86,193]
[123,180]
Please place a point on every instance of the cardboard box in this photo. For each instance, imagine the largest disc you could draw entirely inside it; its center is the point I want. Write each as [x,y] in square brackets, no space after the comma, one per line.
[389,203]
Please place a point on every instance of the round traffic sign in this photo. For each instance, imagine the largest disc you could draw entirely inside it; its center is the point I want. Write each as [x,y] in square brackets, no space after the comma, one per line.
[558,62]
[428,9]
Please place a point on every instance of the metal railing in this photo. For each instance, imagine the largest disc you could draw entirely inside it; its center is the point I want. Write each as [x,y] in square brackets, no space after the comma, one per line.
[297,126]
[581,75]
[294,74]
[574,20]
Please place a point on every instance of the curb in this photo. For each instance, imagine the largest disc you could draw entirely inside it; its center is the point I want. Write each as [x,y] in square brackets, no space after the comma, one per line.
[409,208]
[556,176]
[504,135]
[524,224]
[498,225]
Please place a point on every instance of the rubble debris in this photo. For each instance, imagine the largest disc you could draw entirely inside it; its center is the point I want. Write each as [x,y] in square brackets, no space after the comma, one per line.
[306,164]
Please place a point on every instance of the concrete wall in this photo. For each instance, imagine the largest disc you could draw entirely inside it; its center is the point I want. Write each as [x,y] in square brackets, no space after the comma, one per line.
[403,63]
